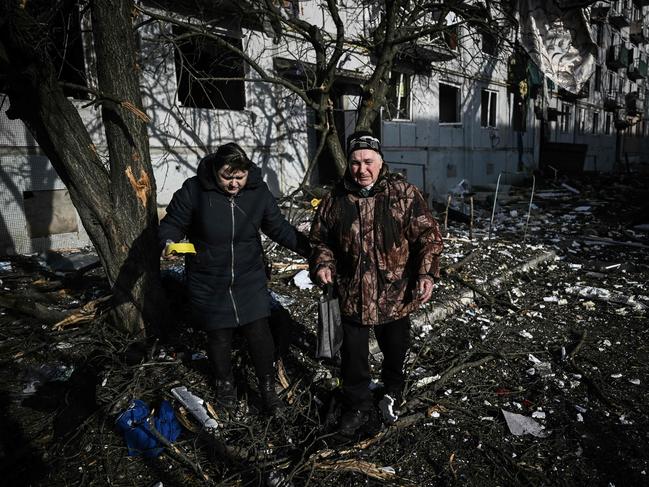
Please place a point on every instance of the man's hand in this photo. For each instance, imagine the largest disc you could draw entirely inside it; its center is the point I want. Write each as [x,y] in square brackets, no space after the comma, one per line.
[424,288]
[324,276]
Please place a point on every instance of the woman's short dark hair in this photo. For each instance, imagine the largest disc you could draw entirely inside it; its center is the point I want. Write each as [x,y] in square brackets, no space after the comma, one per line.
[230,154]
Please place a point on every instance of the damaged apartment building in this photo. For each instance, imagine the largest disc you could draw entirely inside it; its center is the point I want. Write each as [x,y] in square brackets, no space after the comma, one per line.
[462,105]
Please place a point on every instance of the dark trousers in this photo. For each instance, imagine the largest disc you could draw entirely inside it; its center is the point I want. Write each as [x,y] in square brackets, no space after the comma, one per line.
[393,339]
[260,348]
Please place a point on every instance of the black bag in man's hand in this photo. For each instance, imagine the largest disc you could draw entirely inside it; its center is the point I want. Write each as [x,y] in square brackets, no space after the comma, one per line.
[330,329]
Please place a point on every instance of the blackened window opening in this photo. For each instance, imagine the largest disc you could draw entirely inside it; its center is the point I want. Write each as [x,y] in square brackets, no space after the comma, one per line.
[208,75]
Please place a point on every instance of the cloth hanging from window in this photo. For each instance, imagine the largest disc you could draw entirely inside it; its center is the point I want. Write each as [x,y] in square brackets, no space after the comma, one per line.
[559,41]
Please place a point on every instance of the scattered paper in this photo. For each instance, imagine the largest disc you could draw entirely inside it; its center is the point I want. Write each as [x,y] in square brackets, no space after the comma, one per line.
[522,425]
[302,280]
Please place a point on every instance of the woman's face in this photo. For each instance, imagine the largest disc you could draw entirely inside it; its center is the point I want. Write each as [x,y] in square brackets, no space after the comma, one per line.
[231,181]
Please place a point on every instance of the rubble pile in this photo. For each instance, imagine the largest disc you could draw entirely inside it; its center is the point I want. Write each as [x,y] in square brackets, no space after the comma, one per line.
[527,368]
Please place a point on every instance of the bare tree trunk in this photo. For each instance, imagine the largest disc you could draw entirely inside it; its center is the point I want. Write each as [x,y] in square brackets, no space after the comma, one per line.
[116,202]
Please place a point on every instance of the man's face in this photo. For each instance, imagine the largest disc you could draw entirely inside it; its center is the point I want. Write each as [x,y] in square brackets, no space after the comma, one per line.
[231,181]
[365,166]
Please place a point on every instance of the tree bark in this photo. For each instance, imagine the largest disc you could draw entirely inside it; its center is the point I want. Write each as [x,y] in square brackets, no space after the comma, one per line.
[116,201]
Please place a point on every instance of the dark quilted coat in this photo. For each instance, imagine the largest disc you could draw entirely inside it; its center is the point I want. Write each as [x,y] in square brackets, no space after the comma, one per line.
[226,278]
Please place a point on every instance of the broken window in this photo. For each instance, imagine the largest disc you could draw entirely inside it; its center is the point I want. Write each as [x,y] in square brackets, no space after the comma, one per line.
[581,121]
[292,7]
[449,103]
[489,43]
[209,75]
[398,98]
[488,106]
[598,78]
[451,37]
[565,117]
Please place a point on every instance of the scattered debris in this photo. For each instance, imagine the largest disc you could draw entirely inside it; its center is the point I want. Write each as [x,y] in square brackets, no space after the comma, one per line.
[503,332]
[195,405]
[522,425]
[302,280]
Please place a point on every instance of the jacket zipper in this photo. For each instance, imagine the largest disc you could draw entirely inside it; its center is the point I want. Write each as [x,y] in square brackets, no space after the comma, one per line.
[234,304]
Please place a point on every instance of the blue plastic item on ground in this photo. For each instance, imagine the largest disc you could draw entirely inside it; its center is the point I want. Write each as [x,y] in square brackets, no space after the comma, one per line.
[137,432]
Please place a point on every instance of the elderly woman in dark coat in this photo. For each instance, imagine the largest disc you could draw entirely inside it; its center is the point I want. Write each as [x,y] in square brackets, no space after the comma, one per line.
[221,210]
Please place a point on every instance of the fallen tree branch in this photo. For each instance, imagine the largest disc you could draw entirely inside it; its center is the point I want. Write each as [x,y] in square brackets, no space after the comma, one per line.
[449,306]
[86,313]
[31,308]
[490,299]
[360,466]
[178,453]
[610,241]
[590,383]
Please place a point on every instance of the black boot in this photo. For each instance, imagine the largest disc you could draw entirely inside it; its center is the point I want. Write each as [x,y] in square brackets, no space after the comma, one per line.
[351,420]
[226,393]
[272,404]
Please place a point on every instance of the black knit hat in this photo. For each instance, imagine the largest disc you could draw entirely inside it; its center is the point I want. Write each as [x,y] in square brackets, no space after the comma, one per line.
[363,140]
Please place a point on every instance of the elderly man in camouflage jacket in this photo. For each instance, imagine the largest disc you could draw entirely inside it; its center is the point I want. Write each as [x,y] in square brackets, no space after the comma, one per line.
[374,235]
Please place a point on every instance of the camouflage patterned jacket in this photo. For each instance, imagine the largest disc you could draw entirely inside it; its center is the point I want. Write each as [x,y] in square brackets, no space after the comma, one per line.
[377,245]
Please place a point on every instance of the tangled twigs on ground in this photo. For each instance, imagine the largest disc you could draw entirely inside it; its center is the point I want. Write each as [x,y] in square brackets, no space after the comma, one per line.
[170,447]
[592,385]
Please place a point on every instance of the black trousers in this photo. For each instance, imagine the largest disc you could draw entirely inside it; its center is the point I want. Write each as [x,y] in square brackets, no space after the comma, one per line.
[260,348]
[393,339]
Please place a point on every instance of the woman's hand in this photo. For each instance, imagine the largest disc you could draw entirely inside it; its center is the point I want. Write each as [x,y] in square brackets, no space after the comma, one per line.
[166,254]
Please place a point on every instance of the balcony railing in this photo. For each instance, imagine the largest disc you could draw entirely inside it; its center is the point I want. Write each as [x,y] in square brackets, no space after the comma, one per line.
[635,102]
[569,96]
[637,69]
[436,49]
[612,101]
[599,11]
[618,57]
[639,33]
[620,17]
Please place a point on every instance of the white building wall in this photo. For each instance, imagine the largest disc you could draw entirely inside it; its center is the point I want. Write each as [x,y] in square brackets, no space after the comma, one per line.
[273,126]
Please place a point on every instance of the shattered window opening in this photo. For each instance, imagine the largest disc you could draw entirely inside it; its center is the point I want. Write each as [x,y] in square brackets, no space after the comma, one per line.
[449,104]
[488,107]
[209,76]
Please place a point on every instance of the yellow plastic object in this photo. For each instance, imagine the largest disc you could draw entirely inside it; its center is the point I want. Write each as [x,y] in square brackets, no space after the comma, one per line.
[315,202]
[181,248]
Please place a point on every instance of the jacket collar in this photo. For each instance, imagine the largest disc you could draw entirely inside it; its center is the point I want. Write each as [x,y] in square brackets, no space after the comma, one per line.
[352,186]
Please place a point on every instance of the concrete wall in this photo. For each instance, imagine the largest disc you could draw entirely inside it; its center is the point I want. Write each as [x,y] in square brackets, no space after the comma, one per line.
[273,129]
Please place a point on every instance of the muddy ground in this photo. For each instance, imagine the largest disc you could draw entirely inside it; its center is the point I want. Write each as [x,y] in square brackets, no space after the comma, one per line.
[545,321]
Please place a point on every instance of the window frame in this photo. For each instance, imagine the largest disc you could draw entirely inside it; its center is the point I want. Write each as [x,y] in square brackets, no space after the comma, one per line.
[458,112]
[566,118]
[217,98]
[492,43]
[492,103]
[607,123]
[393,96]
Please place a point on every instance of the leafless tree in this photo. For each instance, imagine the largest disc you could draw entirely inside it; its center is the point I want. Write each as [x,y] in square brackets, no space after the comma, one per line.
[115,192]
[376,35]
[114,195]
